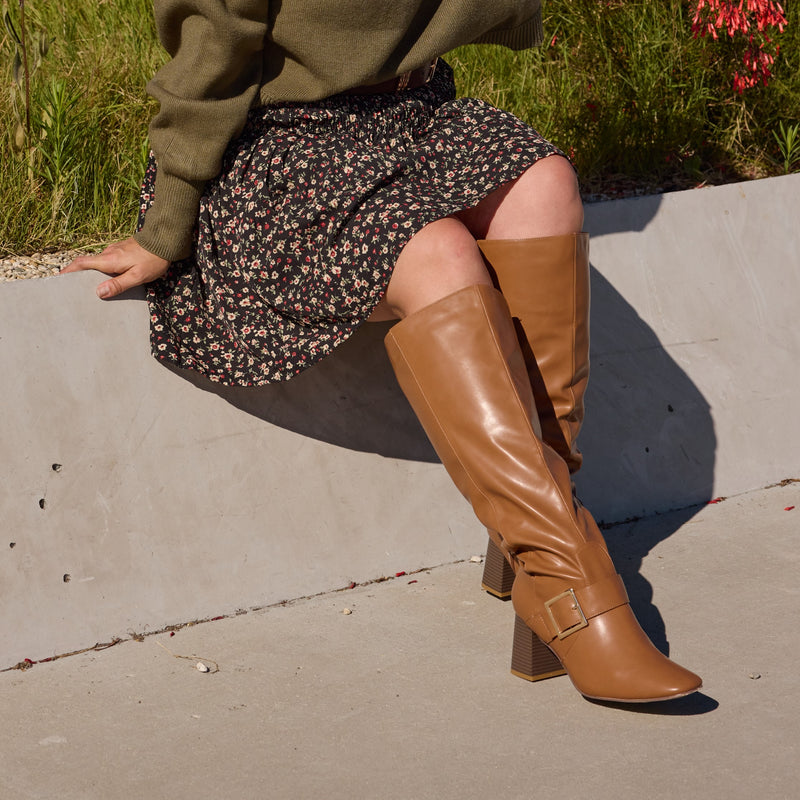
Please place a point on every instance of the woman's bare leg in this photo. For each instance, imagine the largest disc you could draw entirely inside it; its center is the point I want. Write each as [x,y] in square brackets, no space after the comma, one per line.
[543,201]
[439,260]
[443,257]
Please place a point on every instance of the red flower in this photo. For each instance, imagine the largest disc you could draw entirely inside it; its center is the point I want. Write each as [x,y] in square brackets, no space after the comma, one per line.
[751,18]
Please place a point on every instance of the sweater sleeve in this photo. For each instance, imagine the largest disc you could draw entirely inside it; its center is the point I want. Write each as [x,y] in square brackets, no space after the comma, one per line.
[204,93]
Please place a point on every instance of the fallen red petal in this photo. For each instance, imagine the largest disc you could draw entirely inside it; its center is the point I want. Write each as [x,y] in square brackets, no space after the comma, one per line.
[788,508]
[352,585]
[399,574]
[410,582]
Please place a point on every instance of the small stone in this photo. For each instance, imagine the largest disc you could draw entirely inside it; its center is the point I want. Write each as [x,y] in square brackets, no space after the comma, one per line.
[346,611]
[201,667]
[754,676]
[477,560]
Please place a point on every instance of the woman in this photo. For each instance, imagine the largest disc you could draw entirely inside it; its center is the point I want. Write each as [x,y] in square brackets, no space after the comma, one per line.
[312,170]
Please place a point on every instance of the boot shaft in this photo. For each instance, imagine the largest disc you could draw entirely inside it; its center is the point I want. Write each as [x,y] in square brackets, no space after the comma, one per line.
[546,284]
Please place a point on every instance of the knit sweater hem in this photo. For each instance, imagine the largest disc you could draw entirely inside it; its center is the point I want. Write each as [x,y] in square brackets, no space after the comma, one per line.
[168,234]
[529,34]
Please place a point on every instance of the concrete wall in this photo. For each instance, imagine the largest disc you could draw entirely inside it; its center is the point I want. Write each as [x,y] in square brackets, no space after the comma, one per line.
[695,349]
[134,497]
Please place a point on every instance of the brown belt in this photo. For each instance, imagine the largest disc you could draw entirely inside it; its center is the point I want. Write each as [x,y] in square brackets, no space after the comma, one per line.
[408,80]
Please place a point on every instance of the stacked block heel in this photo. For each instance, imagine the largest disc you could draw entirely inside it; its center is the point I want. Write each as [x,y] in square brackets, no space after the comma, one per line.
[498,577]
[531,658]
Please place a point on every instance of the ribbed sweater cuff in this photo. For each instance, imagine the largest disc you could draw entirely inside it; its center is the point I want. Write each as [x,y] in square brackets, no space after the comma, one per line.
[169,222]
[527,35]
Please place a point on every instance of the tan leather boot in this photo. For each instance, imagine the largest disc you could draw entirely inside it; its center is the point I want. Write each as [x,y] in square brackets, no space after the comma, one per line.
[459,364]
[545,282]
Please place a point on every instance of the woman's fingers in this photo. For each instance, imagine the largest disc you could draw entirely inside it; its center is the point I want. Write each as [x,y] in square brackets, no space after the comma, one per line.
[109,261]
[114,286]
[129,263]
[79,263]
[131,275]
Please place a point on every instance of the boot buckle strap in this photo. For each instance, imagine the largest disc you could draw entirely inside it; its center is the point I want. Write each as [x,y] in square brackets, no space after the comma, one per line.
[566,618]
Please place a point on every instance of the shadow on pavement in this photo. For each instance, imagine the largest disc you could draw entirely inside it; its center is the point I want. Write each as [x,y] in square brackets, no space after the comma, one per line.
[690,706]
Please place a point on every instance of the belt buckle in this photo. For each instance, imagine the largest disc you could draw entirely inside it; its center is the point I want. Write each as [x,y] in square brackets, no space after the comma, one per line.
[404,79]
[579,625]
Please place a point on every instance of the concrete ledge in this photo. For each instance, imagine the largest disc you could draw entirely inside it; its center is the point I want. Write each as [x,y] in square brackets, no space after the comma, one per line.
[134,497]
[695,347]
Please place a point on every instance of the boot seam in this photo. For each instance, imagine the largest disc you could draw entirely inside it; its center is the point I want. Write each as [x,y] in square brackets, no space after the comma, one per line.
[573,324]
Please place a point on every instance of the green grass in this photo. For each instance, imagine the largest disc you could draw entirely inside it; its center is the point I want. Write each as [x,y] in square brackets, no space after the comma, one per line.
[78,183]
[624,89]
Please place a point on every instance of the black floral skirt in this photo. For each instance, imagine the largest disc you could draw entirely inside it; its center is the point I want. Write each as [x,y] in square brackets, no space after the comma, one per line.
[296,239]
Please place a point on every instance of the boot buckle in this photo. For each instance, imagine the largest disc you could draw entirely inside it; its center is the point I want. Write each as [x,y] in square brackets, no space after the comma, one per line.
[574,606]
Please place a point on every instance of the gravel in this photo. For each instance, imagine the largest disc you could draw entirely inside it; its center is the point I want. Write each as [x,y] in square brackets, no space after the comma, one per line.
[38,265]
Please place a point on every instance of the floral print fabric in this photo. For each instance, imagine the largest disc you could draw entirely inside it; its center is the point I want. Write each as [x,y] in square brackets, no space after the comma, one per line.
[296,238]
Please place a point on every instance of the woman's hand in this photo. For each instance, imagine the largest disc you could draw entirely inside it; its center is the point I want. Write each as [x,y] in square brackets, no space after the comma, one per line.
[128,260]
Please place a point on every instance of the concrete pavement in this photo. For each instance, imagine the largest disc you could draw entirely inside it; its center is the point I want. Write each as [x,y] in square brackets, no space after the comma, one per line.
[409,695]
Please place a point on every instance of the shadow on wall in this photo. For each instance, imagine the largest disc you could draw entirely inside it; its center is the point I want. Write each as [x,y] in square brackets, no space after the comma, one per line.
[649,444]
[630,215]
[349,399]
[649,438]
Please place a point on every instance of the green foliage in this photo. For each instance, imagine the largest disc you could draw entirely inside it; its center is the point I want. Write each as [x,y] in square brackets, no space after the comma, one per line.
[789,145]
[72,178]
[626,90]
[25,63]
[620,85]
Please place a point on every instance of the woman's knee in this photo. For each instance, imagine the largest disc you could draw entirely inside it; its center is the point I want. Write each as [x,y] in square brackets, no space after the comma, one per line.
[544,201]
[550,189]
[444,245]
[556,174]
[440,259]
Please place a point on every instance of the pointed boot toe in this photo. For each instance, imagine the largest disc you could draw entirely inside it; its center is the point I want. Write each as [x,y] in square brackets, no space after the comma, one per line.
[599,643]
[614,660]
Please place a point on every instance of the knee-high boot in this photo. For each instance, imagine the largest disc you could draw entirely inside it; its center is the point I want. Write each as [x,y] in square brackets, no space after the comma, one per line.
[545,282]
[459,364]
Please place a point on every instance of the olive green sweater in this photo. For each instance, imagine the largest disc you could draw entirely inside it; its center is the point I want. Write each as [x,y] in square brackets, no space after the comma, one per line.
[229,55]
